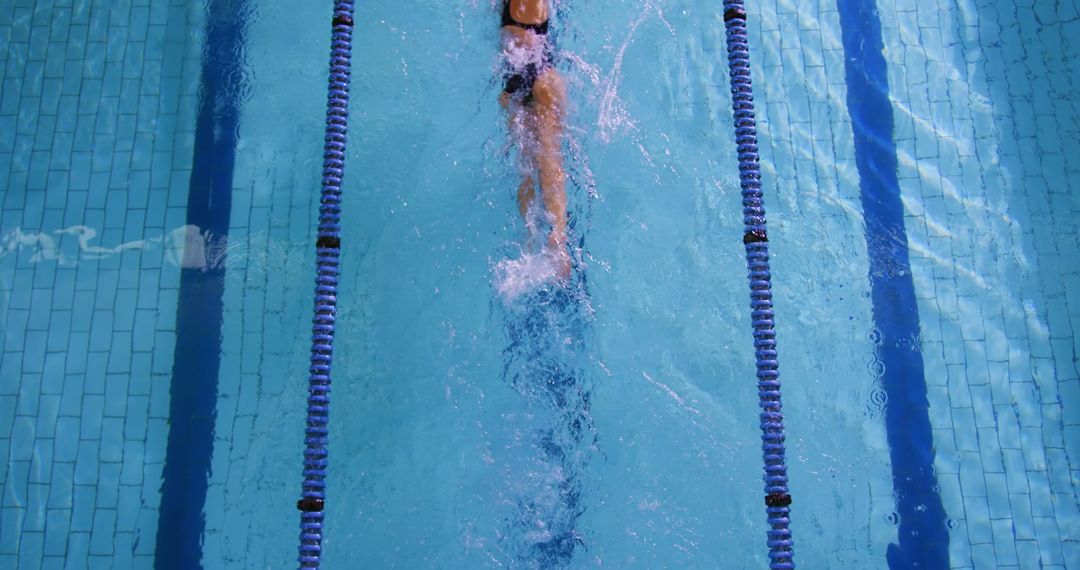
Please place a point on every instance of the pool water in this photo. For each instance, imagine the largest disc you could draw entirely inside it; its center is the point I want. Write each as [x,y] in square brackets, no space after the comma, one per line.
[160,164]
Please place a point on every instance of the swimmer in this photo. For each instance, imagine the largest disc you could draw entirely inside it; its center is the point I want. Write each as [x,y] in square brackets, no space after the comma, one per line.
[534,96]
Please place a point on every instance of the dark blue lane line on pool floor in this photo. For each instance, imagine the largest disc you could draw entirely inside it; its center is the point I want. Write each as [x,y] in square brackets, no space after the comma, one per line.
[923,537]
[193,404]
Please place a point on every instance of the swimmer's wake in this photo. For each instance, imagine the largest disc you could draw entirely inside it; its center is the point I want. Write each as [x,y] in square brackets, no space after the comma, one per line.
[554,435]
[550,434]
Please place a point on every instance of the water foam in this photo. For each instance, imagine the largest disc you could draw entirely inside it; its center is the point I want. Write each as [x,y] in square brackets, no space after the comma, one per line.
[529,272]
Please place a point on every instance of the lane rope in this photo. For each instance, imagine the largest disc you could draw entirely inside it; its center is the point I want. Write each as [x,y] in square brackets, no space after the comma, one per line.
[756,243]
[327,254]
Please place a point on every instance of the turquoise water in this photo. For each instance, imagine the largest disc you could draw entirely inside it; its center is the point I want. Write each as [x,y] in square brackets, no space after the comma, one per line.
[479,419]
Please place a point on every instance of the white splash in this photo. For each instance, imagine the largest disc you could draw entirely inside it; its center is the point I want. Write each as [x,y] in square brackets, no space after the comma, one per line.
[519,54]
[614,116]
[531,271]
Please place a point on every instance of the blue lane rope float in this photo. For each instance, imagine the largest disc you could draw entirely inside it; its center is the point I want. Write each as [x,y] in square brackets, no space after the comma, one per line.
[756,243]
[327,254]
